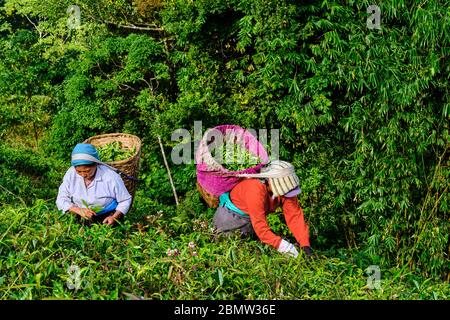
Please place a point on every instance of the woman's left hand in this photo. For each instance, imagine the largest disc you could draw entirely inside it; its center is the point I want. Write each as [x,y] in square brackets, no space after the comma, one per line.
[109,220]
[112,218]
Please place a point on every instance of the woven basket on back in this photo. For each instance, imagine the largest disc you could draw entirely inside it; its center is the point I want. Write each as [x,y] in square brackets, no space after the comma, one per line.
[211,200]
[129,166]
[213,179]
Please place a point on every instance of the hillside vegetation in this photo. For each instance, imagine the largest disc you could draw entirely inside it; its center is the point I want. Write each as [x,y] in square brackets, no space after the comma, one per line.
[363,115]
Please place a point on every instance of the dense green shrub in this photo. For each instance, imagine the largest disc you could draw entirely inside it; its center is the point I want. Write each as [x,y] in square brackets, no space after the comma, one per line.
[363,114]
[26,176]
[48,255]
[104,88]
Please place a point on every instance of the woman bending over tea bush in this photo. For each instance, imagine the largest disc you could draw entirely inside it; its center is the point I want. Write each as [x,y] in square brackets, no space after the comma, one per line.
[91,190]
[246,206]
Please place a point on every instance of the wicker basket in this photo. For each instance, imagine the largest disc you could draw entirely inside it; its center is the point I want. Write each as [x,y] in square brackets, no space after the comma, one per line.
[211,174]
[211,200]
[128,166]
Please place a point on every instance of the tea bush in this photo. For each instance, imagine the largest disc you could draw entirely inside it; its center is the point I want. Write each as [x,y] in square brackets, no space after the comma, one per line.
[363,115]
[44,251]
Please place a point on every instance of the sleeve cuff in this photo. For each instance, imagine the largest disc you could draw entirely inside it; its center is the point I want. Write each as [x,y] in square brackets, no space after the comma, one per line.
[65,207]
[124,206]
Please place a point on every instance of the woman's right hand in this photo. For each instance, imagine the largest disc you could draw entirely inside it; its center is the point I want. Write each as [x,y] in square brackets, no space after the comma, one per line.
[85,213]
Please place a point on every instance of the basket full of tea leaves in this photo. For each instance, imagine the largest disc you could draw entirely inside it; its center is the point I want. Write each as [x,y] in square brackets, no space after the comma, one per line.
[237,158]
[121,151]
[224,152]
[115,151]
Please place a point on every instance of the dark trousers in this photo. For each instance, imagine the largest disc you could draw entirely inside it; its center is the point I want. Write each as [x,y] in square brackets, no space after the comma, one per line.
[226,221]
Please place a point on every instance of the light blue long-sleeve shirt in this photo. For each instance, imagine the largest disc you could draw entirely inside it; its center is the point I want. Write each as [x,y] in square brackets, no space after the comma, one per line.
[106,186]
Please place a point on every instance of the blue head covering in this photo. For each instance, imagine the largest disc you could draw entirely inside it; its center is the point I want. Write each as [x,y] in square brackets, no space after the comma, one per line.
[85,148]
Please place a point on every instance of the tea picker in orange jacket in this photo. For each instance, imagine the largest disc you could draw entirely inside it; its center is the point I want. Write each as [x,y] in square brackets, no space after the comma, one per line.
[246,206]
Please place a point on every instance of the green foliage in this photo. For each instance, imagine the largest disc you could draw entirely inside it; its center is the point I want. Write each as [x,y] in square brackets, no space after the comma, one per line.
[114,151]
[93,208]
[363,114]
[360,111]
[105,90]
[50,255]
[21,101]
[236,158]
[277,224]
[26,176]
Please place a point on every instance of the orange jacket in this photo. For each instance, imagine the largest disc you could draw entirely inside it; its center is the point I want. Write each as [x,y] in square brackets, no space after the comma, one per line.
[252,197]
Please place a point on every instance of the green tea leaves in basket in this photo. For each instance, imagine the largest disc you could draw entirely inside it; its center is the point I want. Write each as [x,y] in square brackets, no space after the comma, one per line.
[114,151]
[238,158]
